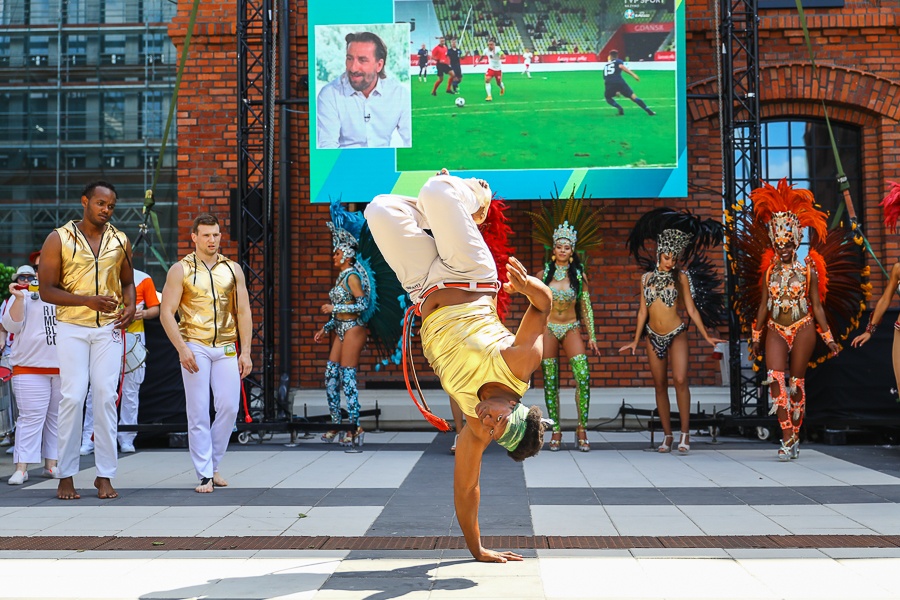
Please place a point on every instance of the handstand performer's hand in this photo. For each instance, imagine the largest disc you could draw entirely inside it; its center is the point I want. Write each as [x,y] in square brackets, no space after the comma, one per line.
[486,555]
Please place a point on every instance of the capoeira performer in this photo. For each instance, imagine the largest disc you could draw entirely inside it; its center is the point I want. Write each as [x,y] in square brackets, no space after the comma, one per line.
[86,272]
[35,376]
[210,294]
[452,279]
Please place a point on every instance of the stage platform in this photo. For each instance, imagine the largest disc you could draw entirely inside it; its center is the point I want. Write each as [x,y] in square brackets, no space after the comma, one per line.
[314,522]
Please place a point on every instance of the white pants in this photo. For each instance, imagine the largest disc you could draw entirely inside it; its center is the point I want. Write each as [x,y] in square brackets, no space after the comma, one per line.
[88,356]
[208,444]
[38,399]
[456,252]
[128,409]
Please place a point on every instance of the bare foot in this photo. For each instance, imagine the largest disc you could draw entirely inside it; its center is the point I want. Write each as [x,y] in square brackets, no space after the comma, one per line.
[65,490]
[105,489]
[219,481]
[205,487]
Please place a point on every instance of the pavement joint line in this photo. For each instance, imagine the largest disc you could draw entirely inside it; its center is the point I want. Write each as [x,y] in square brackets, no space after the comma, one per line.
[399,543]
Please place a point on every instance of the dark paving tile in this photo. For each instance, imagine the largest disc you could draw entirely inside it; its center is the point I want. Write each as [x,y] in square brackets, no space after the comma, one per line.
[885,459]
[769,496]
[289,497]
[838,494]
[889,493]
[626,496]
[357,497]
[702,496]
[561,496]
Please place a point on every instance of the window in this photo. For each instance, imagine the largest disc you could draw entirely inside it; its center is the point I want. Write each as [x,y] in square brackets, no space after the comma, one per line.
[76,116]
[114,161]
[38,50]
[113,116]
[156,48]
[39,126]
[113,11]
[75,50]
[113,49]
[800,150]
[153,115]
[39,12]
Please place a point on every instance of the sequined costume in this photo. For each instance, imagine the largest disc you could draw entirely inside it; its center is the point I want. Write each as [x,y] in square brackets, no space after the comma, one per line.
[778,219]
[345,302]
[661,341]
[378,309]
[568,222]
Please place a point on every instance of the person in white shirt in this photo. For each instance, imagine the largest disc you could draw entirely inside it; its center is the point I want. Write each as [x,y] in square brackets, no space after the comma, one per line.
[528,56]
[35,378]
[495,63]
[363,108]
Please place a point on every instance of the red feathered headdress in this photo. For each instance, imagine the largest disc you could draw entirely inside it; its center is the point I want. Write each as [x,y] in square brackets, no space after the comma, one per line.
[786,211]
[496,232]
[891,205]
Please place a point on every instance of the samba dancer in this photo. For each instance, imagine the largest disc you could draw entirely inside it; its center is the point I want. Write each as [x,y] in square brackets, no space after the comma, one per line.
[668,286]
[572,309]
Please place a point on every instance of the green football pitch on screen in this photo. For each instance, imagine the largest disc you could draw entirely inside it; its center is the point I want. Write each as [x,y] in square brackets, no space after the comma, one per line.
[555,120]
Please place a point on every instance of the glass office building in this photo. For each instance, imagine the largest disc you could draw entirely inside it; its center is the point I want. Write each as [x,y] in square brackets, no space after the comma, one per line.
[85,89]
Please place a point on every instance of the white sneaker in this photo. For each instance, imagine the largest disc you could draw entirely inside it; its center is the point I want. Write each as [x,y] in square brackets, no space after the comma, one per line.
[87,449]
[51,473]
[126,448]
[11,449]
[18,478]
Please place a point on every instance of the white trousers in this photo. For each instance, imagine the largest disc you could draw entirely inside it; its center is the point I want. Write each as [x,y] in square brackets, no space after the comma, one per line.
[128,408]
[208,443]
[38,398]
[88,356]
[455,251]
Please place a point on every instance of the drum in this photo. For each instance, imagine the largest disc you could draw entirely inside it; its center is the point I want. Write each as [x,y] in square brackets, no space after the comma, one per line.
[135,353]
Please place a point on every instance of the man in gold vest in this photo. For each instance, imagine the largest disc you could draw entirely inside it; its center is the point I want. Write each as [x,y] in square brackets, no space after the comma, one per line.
[210,294]
[86,272]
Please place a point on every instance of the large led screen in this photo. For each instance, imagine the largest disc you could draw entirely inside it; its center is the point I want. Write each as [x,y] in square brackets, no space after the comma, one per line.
[533,96]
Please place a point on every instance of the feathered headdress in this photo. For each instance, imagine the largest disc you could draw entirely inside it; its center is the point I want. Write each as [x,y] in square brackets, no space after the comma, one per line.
[496,231]
[891,206]
[786,211]
[345,228]
[674,232]
[568,220]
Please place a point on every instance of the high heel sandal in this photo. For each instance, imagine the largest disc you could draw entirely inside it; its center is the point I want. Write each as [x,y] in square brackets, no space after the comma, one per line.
[788,449]
[455,442]
[665,448]
[555,441]
[329,436]
[683,446]
[581,439]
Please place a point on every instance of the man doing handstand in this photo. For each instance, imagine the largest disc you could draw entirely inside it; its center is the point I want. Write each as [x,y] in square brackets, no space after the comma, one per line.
[452,277]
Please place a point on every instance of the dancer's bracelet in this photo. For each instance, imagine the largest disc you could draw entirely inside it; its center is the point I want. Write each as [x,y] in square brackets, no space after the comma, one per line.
[827,337]
[755,335]
[871,327]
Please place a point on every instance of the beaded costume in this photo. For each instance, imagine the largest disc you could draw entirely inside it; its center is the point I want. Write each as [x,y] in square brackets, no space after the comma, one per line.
[684,237]
[778,218]
[379,308]
[570,222]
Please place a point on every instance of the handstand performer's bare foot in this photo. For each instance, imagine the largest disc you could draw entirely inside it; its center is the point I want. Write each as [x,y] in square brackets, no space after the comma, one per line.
[219,481]
[105,490]
[65,490]
[205,487]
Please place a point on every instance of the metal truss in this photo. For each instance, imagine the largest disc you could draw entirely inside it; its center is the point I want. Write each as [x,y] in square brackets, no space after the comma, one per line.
[740,122]
[254,210]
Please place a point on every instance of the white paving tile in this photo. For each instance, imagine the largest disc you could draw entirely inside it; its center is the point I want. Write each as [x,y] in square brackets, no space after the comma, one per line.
[571,520]
[340,521]
[382,470]
[554,470]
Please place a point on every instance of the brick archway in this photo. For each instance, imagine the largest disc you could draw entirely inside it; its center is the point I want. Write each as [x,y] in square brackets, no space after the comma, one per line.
[853,96]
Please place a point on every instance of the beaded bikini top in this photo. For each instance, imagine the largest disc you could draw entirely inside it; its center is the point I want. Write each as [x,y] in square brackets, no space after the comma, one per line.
[660,284]
[340,293]
[788,287]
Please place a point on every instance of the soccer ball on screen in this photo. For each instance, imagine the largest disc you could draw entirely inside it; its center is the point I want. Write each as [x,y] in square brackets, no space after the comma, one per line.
[460,102]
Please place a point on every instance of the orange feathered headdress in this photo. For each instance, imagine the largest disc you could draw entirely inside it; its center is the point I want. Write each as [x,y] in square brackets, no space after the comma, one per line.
[786,211]
[891,205]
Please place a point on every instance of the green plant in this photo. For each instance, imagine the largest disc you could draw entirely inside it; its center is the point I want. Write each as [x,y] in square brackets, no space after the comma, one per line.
[6,274]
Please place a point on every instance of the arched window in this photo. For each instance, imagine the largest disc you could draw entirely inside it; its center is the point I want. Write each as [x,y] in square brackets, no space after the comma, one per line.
[800,149]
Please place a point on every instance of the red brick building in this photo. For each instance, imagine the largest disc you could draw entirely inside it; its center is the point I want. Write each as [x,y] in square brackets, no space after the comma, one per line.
[858,78]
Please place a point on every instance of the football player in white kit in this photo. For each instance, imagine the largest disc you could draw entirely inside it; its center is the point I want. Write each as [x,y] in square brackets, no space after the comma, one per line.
[495,59]
[528,55]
